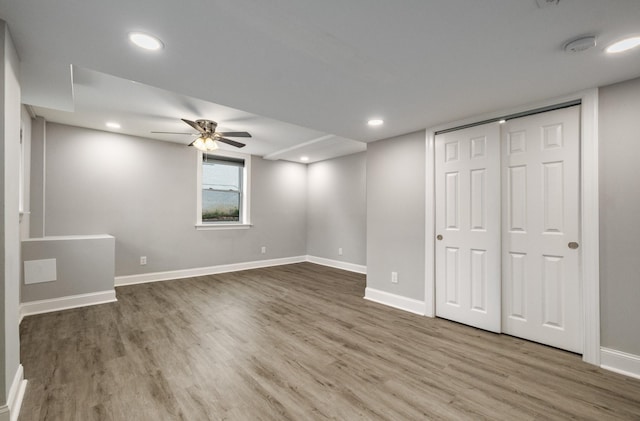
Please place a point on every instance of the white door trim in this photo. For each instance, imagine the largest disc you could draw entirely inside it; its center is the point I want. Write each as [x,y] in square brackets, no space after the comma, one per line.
[589,210]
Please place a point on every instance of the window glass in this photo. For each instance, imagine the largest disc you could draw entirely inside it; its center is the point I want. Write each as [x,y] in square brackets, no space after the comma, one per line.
[222,185]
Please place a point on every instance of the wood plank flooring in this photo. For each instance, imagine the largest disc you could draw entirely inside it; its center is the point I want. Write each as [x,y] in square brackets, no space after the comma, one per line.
[295,342]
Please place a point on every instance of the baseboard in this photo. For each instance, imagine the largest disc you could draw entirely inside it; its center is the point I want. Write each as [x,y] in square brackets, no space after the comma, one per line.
[64,303]
[351,267]
[620,362]
[16,393]
[395,301]
[11,410]
[210,270]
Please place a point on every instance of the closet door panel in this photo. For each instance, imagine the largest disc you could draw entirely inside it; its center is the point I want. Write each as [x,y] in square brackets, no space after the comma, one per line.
[540,189]
[468,226]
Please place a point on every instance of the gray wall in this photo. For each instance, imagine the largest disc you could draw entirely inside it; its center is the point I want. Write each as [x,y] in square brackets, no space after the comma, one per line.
[36,177]
[25,217]
[143,192]
[9,216]
[619,213]
[336,209]
[396,215]
[84,264]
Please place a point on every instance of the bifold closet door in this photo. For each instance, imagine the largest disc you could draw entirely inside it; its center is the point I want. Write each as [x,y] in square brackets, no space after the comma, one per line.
[540,216]
[467,177]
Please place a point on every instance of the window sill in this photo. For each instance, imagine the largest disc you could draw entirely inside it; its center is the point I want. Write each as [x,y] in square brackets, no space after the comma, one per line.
[208,227]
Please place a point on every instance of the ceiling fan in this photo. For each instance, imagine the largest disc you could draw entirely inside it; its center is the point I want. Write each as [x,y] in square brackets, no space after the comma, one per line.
[208,137]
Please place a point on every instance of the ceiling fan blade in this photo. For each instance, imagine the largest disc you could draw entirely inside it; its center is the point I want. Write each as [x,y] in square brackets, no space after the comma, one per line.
[231,142]
[194,125]
[193,134]
[234,134]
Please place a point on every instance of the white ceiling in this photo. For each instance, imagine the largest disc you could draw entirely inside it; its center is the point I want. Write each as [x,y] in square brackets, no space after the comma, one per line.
[324,65]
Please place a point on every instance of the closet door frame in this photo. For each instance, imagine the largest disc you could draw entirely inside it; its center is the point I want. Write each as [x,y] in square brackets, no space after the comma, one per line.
[589,209]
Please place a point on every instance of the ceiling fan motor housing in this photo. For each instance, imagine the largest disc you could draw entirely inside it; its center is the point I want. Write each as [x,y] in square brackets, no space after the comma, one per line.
[207,125]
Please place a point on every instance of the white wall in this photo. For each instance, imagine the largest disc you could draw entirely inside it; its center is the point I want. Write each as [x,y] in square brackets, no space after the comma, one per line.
[9,230]
[619,212]
[143,192]
[396,215]
[336,209]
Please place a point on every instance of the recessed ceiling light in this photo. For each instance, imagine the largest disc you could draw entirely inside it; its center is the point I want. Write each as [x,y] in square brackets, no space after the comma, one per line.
[304,158]
[624,45]
[502,121]
[113,125]
[146,41]
[375,122]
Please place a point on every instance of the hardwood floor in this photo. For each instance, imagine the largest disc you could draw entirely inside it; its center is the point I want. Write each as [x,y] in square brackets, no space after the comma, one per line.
[295,342]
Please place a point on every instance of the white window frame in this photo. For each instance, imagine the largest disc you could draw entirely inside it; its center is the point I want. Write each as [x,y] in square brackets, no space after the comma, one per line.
[245,214]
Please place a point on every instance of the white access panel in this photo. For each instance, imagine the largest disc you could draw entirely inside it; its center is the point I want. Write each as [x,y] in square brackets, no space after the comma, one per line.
[42,270]
[540,228]
[467,177]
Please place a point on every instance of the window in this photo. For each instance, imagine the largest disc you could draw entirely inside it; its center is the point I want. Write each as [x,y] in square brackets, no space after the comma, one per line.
[223,199]
[221,189]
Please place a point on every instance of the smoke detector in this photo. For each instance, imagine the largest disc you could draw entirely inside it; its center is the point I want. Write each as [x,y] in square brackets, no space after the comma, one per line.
[545,3]
[580,44]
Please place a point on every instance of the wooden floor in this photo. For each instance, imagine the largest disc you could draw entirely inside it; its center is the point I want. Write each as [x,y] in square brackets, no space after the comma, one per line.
[295,342]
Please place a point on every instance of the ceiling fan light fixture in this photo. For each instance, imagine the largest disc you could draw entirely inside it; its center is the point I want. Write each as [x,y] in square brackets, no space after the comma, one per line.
[208,139]
[199,144]
[205,144]
[210,144]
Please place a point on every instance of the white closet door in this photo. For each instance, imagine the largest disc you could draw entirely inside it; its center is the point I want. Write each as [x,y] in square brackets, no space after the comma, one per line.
[467,178]
[540,192]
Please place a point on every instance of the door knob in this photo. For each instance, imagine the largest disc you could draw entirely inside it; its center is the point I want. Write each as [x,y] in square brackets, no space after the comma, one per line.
[439,237]
[573,245]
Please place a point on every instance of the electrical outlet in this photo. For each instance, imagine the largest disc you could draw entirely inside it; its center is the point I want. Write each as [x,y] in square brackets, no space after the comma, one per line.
[143,260]
[340,251]
[394,277]
[263,250]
